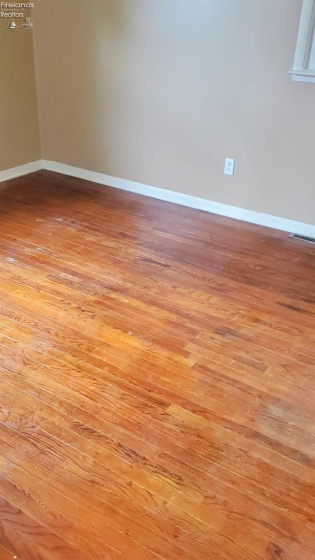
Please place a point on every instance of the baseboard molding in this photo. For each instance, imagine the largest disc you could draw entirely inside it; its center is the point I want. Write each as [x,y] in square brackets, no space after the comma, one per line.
[251,216]
[20,170]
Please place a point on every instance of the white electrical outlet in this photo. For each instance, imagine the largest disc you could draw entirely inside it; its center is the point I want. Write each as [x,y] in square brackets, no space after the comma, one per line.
[229,166]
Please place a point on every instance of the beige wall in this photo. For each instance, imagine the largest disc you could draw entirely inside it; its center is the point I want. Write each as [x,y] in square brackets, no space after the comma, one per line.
[161,91]
[19,131]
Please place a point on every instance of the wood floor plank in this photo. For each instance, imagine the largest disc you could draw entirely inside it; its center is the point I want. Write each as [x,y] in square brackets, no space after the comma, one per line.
[6,554]
[275,412]
[101,436]
[23,537]
[187,504]
[156,380]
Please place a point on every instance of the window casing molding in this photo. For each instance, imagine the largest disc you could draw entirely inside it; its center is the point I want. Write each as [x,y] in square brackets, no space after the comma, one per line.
[304,61]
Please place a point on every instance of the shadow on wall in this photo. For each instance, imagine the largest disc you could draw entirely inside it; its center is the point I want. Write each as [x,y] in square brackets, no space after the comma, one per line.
[147,105]
[19,130]
[133,97]
[161,91]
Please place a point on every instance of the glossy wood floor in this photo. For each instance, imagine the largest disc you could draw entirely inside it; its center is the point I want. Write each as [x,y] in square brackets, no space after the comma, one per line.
[157,380]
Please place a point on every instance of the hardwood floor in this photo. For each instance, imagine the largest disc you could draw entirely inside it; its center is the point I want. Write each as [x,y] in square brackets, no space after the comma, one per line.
[156,380]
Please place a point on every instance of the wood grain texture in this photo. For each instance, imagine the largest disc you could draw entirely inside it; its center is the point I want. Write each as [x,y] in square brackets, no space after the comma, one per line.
[5,554]
[156,380]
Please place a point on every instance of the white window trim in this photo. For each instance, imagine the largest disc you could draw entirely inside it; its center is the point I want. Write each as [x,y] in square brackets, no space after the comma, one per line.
[306,38]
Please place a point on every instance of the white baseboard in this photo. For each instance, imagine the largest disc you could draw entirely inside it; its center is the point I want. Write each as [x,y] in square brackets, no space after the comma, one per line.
[250,216]
[20,170]
[258,218]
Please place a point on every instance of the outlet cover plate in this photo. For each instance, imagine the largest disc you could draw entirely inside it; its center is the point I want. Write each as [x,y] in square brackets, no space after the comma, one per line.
[229,166]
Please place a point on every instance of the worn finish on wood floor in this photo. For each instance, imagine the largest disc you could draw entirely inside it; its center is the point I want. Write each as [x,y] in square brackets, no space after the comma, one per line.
[156,380]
